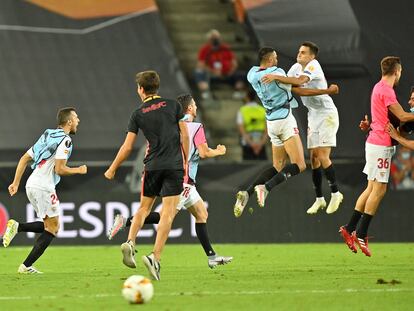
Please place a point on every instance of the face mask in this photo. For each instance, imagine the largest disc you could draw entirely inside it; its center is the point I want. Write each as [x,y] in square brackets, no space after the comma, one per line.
[215,42]
[405,155]
[412,109]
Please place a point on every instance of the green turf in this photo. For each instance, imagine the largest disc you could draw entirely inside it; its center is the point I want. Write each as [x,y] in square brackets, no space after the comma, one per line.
[261,277]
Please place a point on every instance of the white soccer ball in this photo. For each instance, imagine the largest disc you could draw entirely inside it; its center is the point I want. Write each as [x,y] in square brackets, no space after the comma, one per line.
[138,289]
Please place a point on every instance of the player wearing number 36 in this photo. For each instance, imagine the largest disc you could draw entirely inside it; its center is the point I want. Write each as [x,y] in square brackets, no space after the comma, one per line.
[378,152]
[49,155]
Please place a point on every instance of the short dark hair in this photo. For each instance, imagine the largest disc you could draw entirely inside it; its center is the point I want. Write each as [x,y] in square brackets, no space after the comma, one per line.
[64,115]
[389,65]
[184,100]
[149,81]
[264,53]
[412,90]
[312,47]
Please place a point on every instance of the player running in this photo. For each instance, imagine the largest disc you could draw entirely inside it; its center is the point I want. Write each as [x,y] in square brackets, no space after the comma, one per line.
[49,155]
[159,120]
[189,198]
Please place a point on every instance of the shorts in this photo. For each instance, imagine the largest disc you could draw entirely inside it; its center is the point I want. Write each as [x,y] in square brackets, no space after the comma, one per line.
[281,130]
[162,183]
[188,197]
[378,162]
[322,129]
[44,202]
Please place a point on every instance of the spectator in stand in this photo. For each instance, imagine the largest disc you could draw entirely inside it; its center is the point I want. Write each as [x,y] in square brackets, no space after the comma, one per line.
[402,169]
[217,63]
[251,122]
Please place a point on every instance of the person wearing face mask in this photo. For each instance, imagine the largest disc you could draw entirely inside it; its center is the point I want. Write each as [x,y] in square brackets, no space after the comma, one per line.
[402,172]
[216,62]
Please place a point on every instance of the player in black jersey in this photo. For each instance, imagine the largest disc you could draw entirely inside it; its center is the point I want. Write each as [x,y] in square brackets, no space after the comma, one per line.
[159,120]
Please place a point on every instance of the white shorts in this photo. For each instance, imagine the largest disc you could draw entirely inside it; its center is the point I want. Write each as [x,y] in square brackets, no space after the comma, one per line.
[281,130]
[322,129]
[45,203]
[378,162]
[188,197]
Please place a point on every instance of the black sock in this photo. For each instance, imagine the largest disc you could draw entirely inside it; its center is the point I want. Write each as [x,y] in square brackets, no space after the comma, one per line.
[36,226]
[264,176]
[317,181]
[39,247]
[287,172]
[362,231]
[202,234]
[352,224]
[330,176]
[152,218]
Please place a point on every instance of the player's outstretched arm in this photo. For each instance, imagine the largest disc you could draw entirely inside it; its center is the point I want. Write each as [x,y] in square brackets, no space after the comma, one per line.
[206,152]
[63,170]
[332,90]
[394,133]
[269,78]
[399,112]
[123,154]
[21,167]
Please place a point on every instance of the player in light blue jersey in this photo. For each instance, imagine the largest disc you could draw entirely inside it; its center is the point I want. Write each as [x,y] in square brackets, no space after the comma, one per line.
[282,128]
[189,198]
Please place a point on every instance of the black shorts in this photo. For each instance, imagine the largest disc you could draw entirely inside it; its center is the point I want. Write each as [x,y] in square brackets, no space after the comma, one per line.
[162,183]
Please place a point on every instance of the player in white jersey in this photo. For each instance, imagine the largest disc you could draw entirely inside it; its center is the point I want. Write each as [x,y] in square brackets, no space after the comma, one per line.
[282,128]
[49,155]
[190,199]
[323,123]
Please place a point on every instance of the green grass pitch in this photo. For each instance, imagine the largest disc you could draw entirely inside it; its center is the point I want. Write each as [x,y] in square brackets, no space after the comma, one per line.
[261,277]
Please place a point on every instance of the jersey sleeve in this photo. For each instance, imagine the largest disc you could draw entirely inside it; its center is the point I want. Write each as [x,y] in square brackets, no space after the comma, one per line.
[133,125]
[30,152]
[312,70]
[389,98]
[200,137]
[64,149]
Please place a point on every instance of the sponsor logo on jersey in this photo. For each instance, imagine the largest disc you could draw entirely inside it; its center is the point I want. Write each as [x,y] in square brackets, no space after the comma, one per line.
[154,107]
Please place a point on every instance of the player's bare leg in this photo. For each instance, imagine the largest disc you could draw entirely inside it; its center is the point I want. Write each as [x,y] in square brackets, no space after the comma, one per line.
[128,248]
[168,212]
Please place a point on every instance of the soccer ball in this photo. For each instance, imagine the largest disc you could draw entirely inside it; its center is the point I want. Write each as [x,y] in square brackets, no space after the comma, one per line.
[137,289]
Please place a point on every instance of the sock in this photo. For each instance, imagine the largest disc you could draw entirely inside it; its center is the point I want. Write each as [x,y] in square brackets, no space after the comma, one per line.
[264,176]
[330,176]
[317,181]
[152,218]
[356,216]
[39,247]
[202,234]
[36,226]
[287,172]
[363,227]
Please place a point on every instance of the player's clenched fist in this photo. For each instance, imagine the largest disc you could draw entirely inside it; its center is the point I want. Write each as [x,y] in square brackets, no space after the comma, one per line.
[109,174]
[221,149]
[13,189]
[83,169]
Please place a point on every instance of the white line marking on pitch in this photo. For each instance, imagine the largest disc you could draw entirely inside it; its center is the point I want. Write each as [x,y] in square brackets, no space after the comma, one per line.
[221,293]
[70,31]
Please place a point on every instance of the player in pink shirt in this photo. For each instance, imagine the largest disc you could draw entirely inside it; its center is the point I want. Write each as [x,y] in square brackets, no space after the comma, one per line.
[378,152]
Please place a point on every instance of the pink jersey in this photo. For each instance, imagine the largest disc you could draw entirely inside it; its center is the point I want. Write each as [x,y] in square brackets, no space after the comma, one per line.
[382,96]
